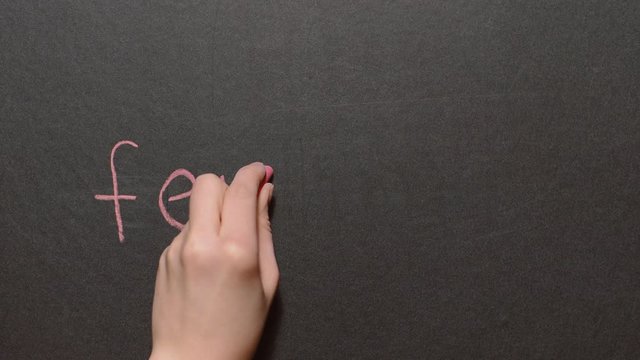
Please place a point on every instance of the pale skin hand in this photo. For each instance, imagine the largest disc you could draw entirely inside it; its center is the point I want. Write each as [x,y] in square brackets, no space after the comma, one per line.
[216,281]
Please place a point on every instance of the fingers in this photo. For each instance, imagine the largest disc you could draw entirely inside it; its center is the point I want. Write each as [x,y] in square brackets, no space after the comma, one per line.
[268,170]
[238,214]
[224,183]
[240,208]
[205,204]
[268,265]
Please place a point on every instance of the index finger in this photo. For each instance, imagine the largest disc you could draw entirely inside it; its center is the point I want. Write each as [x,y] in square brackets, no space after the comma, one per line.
[240,207]
[205,204]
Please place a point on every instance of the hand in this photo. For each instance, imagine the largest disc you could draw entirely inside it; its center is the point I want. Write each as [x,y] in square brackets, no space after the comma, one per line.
[216,281]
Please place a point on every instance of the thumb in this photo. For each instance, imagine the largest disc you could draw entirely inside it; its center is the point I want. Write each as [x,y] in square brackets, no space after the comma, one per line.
[268,266]
[268,172]
[264,199]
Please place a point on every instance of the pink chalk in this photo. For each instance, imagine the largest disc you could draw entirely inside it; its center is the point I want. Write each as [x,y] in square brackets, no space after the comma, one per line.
[116,197]
[269,172]
[180,172]
[184,195]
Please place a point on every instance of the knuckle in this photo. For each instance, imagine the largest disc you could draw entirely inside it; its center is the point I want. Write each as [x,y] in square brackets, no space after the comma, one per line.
[244,171]
[254,166]
[243,174]
[250,171]
[197,256]
[240,259]
[205,179]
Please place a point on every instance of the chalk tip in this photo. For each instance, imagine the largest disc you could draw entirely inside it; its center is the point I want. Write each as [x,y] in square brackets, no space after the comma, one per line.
[268,172]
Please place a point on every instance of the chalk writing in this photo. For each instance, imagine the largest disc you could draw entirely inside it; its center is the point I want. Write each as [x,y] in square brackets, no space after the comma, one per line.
[180,172]
[116,196]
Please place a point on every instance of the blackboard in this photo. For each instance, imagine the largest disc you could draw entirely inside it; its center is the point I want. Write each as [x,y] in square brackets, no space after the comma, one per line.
[454,179]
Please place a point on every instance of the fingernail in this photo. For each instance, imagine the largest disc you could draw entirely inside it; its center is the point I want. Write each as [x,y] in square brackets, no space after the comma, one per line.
[268,172]
[271,192]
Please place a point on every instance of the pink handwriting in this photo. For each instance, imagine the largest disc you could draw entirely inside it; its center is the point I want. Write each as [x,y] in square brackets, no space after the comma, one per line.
[180,172]
[116,197]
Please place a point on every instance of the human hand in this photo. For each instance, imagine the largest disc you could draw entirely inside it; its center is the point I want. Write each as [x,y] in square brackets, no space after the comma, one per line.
[217,279]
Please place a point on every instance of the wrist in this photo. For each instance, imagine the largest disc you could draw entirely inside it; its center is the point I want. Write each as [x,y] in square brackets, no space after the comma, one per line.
[165,355]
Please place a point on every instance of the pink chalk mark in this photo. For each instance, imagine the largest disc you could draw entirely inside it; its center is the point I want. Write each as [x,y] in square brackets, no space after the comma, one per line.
[111,197]
[180,172]
[180,196]
[116,197]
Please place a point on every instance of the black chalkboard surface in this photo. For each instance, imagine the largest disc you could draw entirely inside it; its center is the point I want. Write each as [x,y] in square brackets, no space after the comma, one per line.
[454,179]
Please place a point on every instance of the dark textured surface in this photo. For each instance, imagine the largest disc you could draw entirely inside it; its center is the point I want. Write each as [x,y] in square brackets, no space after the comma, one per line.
[454,179]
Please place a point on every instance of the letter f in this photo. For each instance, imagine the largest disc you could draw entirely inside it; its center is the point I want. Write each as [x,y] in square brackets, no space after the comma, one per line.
[116,197]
